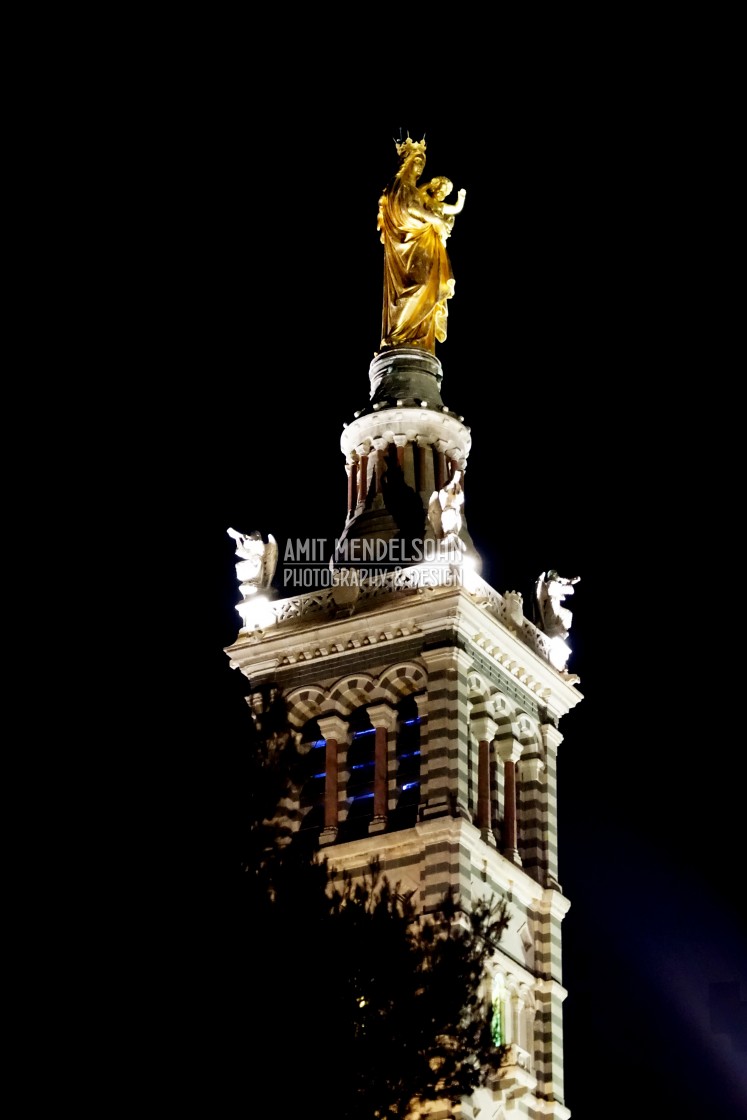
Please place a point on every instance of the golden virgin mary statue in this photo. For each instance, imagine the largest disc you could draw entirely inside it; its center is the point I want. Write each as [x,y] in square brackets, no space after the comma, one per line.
[415,222]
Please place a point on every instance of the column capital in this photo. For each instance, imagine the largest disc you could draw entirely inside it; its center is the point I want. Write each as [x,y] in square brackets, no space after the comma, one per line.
[382,715]
[333,727]
[551,988]
[554,903]
[531,768]
[551,737]
[483,728]
[509,750]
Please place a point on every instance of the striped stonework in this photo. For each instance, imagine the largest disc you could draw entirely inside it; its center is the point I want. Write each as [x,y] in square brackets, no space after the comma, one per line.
[448,852]
[304,704]
[447,786]
[352,692]
[552,740]
[548,1041]
[439,672]
[402,680]
[531,813]
[342,695]
[547,950]
[441,870]
[531,816]
[548,964]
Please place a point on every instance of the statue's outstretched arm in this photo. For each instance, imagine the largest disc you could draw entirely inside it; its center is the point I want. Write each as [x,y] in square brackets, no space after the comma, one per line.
[458,206]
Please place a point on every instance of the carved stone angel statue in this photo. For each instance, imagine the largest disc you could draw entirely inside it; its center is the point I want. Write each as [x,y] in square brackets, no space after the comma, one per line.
[258,562]
[551,589]
[445,513]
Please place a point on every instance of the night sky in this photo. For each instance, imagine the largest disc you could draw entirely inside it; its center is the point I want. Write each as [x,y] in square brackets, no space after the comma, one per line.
[564,347]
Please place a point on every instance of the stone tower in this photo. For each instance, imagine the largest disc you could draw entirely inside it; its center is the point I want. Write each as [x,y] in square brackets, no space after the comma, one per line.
[430,707]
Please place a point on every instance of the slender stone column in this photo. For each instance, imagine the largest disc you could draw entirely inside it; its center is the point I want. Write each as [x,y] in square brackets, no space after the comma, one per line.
[484,729]
[426,472]
[408,465]
[377,467]
[509,750]
[384,719]
[335,732]
[352,487]
[440,470]
[363,478]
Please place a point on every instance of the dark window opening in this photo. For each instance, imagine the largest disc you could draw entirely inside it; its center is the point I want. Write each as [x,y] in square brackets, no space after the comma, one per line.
[313,762]
[408,764]
[361,768]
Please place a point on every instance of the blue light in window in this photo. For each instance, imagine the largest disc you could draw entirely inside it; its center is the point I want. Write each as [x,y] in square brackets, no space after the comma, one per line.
[409,722]
[411,754]
[410,785]
[362,765]
[322,775]
[360,797]
[370,731]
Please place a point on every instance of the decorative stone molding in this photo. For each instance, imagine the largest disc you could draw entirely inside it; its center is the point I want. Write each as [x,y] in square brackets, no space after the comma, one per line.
[384,621]
[508,750]
[429,427]
[416,578]
[355,690]
[332,727]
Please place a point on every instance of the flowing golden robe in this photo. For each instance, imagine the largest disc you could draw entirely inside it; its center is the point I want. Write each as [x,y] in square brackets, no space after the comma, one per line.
[417,273]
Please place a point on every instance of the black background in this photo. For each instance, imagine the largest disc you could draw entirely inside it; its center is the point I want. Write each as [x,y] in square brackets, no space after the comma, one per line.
[575,341]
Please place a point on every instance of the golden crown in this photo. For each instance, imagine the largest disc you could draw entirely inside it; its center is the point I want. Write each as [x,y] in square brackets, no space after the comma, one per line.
[408,146]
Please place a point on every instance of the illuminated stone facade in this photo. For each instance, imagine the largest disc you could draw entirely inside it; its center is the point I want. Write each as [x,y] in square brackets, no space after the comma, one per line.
[434,708]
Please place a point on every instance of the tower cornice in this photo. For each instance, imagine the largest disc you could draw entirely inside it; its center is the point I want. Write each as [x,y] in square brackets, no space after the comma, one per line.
[426,426]
[457,615]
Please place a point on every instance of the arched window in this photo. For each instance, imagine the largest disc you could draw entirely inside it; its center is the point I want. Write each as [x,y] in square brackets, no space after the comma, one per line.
[498,1024]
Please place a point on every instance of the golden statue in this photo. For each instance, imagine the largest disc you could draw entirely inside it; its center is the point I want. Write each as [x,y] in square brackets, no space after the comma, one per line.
[415,223]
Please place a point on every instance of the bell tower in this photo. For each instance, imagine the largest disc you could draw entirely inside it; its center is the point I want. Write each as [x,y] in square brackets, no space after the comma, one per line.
[428,704]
